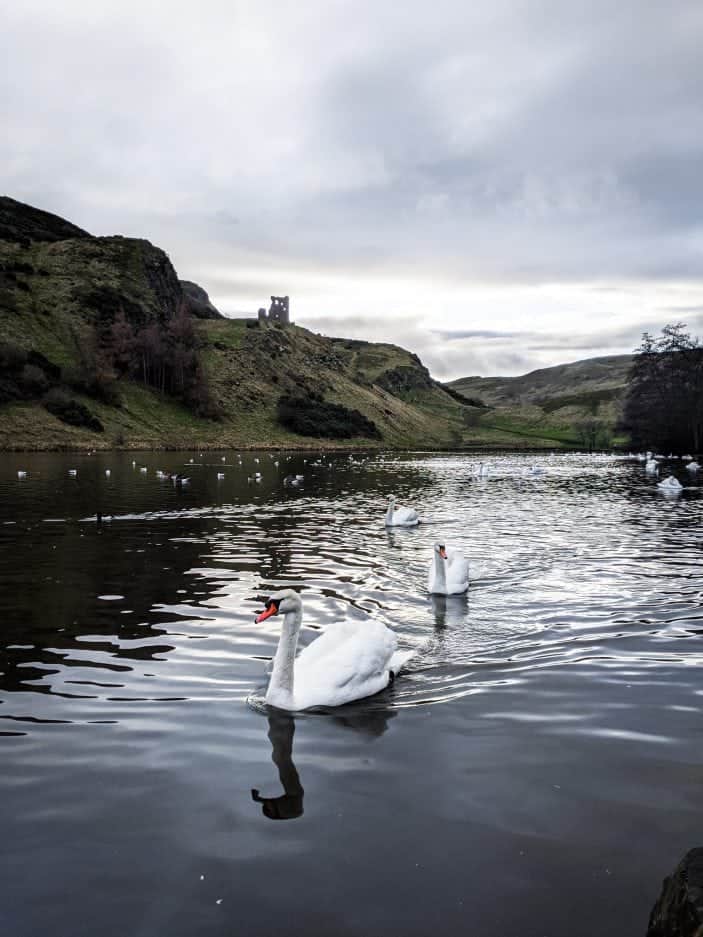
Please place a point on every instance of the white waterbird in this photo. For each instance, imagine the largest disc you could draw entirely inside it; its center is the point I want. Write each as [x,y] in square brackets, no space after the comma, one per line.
[349,661]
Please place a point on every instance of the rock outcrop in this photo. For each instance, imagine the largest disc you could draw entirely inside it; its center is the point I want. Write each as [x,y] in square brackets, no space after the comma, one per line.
[679,909]
[199,301]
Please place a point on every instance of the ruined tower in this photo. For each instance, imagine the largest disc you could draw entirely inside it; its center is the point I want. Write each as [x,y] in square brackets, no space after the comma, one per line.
[279,310]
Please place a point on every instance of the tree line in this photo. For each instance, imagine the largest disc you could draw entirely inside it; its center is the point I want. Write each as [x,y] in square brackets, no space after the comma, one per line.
[163,356]
[663,407]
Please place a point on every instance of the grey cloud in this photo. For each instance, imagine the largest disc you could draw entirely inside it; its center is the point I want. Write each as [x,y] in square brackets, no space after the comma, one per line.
[511,143]
[452,335]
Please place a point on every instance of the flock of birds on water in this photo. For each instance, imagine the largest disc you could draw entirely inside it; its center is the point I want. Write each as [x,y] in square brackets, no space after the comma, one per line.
[353,660]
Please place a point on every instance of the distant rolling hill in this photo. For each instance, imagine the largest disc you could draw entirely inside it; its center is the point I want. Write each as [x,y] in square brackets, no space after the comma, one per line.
[552,402]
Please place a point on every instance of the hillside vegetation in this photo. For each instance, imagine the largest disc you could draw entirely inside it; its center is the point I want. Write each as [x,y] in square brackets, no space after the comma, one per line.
[567,403]
[101,345]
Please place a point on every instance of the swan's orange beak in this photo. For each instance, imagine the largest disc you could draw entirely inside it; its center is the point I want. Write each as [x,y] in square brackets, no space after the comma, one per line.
[271,609]
[443,553]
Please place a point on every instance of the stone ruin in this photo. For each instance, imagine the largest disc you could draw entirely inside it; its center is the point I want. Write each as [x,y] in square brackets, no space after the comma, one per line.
[279,311]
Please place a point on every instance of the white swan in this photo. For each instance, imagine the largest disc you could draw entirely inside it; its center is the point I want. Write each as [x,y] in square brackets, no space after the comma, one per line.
[693,466]
[400,517]
[483,471]
[651,467]
[448,573]
[670,484]
[350,660]
[534,470]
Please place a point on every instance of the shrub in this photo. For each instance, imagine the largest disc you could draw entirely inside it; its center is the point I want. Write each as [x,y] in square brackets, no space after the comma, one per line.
[34,380]
[310,415]
[71,411]
[12,357]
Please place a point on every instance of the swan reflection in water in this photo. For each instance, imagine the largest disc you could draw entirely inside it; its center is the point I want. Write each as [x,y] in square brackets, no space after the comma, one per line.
[449,610]
[289,805]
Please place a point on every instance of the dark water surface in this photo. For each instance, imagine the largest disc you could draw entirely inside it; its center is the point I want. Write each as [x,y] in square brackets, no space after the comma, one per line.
[537,771]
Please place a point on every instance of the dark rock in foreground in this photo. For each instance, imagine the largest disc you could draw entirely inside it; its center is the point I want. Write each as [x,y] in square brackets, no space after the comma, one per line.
[679,909]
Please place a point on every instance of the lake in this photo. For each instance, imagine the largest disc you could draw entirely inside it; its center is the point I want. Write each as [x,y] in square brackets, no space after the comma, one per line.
[537,769]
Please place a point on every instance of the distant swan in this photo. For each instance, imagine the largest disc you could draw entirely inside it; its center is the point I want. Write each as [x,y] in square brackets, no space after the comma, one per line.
[400,517]
[349,661]
[670,484]
[449,572]
[651,467]
[693,466]
[483,471]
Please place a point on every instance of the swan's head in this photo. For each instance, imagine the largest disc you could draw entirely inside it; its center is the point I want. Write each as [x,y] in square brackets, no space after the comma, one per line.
[440,548]
[284,601]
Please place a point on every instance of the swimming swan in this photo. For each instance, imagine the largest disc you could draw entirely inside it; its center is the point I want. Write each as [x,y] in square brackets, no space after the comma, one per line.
[449,572]
[350,660]
[670,484]
[400,517]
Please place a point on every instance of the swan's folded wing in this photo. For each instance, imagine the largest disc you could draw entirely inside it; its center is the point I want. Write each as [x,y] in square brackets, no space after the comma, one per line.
[405,516]
[348,661]
[458,571]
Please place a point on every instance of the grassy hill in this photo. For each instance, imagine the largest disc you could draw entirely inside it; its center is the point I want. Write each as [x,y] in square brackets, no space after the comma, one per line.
[101,345]
[61,293]
[552,402]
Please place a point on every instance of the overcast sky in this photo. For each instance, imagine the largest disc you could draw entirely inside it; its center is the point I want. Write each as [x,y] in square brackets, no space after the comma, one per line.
[498,185]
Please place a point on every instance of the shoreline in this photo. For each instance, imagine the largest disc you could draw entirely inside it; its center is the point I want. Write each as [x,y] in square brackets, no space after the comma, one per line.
[324,447]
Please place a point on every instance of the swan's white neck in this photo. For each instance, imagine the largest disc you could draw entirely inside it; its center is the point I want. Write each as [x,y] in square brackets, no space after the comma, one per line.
[440,571]
[389,512]
[281,685]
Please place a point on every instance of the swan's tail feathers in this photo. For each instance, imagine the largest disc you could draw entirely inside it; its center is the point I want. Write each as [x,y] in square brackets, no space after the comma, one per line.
[399,660]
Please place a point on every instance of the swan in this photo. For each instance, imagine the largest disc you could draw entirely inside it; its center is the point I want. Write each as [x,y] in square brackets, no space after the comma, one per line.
[483,471]
[220,476]
[349,661]
[651,467]
[400,517]
[693,466]
[448,573]
[21,474]
[535,470]
[670,484]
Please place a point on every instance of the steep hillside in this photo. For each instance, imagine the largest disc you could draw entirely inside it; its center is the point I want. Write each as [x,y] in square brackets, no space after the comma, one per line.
[559,402]
[101,345]
[72,304]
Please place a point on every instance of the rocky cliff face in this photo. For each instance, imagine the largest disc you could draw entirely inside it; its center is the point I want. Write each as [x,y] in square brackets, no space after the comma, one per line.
[50,268]
[199,301]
